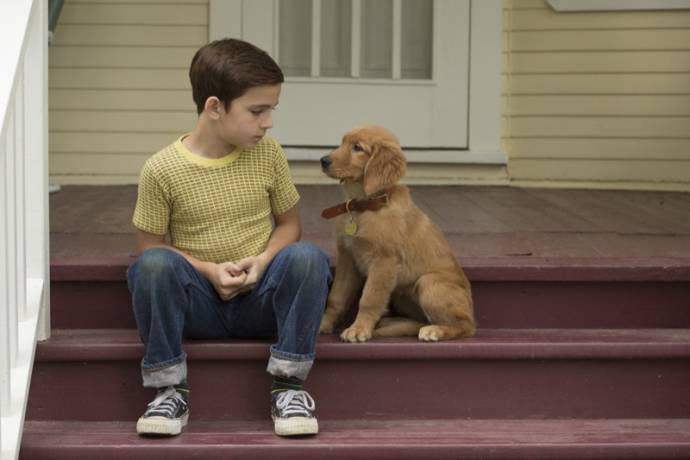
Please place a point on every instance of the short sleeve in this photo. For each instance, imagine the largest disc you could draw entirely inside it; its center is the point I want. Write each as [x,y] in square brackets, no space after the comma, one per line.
[283,193]
[152,211]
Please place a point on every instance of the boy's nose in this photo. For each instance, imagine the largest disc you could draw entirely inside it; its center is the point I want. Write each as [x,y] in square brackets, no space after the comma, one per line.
[325,161]
[267,122]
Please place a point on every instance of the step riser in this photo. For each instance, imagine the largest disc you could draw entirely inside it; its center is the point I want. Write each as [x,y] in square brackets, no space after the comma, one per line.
[238,390]
[107,304]
[374,452]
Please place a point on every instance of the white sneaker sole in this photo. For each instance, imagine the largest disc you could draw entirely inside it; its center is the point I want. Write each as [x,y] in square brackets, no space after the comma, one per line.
[295,426]
[161,426]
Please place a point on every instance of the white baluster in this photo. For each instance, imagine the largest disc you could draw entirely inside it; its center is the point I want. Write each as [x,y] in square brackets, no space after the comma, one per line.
[11,232]
[20,245]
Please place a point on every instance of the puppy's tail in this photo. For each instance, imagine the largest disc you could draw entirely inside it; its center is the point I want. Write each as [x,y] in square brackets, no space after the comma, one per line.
[397,327]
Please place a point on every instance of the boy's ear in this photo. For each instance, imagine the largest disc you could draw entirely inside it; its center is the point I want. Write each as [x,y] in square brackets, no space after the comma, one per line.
[213,107]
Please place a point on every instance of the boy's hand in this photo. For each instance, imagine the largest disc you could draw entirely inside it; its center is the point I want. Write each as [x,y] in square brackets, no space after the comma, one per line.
[228,279]
[254,267]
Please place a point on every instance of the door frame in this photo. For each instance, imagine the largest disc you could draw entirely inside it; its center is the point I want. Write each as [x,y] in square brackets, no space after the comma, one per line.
[484,116]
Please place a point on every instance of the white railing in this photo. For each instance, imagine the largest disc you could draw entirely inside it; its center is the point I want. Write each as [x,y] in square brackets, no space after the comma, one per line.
[24,271]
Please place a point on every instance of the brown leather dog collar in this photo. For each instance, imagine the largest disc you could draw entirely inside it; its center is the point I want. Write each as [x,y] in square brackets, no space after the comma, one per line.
[368,204]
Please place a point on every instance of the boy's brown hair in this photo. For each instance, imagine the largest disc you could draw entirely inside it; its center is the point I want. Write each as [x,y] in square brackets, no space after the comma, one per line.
[229,67]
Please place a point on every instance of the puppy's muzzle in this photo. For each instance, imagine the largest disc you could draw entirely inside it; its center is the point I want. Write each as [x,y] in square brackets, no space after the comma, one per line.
[325,162]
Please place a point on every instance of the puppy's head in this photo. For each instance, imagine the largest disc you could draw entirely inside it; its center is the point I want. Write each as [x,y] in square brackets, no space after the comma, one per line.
[370,155]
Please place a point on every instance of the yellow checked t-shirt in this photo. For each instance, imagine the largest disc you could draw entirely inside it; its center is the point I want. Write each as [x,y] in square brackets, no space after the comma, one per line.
[216,210]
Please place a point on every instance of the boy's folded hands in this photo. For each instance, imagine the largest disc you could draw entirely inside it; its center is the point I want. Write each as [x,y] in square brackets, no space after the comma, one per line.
[233,278]
[227,278]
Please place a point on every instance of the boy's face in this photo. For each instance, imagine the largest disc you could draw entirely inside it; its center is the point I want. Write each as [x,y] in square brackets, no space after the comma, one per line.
[249,116]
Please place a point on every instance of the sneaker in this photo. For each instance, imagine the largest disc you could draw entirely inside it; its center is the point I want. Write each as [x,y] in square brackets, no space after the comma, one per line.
[293,413]
[165,415]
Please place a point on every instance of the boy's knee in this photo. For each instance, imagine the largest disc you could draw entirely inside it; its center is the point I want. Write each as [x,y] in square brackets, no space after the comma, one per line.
[307,255]
[154,263]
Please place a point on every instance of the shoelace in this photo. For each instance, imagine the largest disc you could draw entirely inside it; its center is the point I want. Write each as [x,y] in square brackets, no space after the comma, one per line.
[293,402]
[166,402]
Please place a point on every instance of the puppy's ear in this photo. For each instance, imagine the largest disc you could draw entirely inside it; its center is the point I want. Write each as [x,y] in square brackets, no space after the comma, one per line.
[385,167]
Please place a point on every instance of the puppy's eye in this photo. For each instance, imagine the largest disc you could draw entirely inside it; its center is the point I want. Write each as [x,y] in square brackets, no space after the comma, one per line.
[357,148]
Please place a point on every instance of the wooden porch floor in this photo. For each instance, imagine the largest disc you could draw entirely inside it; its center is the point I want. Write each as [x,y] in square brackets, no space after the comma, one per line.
[498,226]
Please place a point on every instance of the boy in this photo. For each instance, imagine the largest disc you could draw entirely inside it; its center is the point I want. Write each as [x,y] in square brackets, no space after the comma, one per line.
[227,270]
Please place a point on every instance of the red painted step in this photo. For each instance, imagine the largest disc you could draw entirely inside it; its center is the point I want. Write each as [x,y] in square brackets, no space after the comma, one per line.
[365,439]
[497,374]
[541,295]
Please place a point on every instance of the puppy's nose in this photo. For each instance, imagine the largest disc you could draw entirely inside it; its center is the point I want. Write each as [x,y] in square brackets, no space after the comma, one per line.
[325,161]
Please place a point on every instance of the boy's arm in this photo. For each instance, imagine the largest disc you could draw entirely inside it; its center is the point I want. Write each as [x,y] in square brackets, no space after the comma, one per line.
[287,230]
[226,278]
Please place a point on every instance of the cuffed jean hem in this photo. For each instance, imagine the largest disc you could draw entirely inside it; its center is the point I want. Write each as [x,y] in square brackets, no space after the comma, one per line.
[165,376]
[289,365]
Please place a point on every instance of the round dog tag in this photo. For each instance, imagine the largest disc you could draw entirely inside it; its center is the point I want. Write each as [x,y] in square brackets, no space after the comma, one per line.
[350,228]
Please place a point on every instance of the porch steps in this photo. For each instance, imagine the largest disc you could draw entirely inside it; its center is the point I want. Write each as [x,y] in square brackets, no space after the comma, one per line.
[366,439]
[575,357]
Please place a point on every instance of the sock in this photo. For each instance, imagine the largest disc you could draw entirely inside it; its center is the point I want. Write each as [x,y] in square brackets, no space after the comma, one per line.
[285,383]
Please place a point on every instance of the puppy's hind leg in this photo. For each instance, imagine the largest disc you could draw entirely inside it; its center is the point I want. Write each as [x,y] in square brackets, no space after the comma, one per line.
[448,306]
[397,327]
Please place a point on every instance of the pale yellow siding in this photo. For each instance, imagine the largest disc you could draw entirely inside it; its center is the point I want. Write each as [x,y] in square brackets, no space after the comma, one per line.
[597,99]
[590,99]
[118,85]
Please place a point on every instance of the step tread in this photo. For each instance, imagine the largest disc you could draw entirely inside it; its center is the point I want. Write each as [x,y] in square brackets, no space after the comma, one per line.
[388,439]
[117,344]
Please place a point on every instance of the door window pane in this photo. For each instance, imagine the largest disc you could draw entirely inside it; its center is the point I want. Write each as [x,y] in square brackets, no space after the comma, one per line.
[377,39]
[417,17]
[336,36]
[295,37]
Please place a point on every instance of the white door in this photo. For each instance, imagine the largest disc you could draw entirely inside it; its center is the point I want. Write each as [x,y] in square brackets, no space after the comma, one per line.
[403,64]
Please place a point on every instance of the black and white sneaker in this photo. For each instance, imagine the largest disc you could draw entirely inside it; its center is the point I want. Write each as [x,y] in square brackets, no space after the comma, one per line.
[165,415]
[293,413]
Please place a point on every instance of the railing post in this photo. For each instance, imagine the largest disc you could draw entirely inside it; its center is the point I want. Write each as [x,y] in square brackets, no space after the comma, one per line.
[36,158]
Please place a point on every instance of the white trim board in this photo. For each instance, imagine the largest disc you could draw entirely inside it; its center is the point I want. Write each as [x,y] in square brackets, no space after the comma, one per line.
[566,6]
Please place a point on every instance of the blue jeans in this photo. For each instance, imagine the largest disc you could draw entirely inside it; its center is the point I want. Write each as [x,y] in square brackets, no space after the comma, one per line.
[173,301]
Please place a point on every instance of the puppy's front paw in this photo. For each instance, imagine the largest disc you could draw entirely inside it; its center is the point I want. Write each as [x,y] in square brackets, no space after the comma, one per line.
[356,334]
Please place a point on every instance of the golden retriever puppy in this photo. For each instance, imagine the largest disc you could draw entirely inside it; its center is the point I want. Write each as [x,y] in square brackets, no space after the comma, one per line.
[388,245]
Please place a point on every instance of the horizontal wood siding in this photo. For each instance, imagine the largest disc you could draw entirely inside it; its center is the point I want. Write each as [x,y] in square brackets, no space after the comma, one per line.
[596,99]
[590,99]
[119,89]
